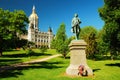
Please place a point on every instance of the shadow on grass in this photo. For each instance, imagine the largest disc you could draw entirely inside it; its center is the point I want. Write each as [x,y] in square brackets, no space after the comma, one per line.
[115,64]
[105,57]
[7,61]
[10,73]
[11,50]
[46,65]
[24,55]
[95,70]
[67,57]
[15,71]
[51,65]
[100,58]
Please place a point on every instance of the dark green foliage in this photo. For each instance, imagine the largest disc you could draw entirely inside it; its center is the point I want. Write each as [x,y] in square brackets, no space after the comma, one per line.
[60,35]
[29,45]
[12,24]
[85,32]
[89,34]
[21,42]
[53,44]
[102,47]
[60,43]
[43,49]
[29,52]
[91,45]
[110,13]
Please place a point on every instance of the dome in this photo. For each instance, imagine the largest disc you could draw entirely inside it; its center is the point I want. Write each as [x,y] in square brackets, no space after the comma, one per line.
[33,15]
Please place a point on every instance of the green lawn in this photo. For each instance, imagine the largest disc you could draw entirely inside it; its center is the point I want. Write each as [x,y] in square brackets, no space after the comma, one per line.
[17,56]
[54,69]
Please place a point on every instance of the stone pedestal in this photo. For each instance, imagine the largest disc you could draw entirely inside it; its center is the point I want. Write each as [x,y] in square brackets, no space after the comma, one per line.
[78,57]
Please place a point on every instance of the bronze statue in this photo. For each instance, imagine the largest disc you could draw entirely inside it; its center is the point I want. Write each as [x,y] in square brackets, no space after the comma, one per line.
[76,26]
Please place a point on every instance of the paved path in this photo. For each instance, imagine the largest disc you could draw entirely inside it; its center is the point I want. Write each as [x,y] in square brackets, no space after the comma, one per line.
[26,63]
[44,59]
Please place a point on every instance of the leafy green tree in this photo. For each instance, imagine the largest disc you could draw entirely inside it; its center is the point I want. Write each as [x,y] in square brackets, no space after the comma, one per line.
[71,38]
[61,42]
[110,13]
[53,44]
[92,45]
[85,32]
[89,34]
[102,47]
[12,24]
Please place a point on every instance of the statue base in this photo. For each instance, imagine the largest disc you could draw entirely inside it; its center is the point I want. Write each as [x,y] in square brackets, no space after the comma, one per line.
[77,58]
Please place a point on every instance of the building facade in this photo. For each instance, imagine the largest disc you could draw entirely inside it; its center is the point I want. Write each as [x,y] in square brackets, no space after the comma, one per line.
[36,36]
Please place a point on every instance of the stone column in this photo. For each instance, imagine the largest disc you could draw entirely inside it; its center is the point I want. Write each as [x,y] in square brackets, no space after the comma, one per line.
[78,57]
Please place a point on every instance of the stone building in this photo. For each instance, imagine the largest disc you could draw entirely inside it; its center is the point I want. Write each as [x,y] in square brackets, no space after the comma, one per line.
[36,36]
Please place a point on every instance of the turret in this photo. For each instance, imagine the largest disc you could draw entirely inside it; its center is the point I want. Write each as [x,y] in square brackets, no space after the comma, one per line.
[33,25]
[49,29]
[33,18]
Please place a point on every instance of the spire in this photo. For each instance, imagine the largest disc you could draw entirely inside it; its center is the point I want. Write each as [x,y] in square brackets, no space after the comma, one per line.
[49,29]
[33,10]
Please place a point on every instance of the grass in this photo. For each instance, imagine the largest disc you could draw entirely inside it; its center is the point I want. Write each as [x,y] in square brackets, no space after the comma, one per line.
[54,69]
[17,56]
[106,70]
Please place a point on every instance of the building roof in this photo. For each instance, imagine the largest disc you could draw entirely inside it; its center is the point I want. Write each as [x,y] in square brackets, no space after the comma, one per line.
[33,15]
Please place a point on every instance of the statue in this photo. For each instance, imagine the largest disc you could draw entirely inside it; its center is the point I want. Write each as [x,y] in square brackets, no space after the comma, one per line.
[78,62]
[76,26]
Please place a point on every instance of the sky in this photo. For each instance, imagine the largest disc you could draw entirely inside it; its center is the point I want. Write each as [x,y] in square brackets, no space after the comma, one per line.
[52,13]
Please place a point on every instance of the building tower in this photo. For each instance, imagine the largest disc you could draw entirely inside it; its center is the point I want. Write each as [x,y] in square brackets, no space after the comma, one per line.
[50,36]
[34,35]
[33,25]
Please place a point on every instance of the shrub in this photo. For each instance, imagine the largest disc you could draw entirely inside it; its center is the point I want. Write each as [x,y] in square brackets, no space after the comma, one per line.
[29,52]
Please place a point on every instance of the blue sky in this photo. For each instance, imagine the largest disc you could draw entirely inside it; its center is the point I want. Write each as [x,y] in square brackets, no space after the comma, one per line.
[54,12]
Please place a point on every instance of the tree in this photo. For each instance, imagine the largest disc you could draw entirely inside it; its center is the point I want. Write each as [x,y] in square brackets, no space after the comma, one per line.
[61,42]
[89,34]
[110,13]
[85,32]
[92,45]
[53,44]
[102,47]
[12,24]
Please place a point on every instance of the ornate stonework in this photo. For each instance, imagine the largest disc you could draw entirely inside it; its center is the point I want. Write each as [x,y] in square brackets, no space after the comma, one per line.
[36,36]
[77,58]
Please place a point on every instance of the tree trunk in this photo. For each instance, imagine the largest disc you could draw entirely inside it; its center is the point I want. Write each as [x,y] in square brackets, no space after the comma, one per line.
[0,52]
[112,57]
[64,55]
[112,54]
[1,44]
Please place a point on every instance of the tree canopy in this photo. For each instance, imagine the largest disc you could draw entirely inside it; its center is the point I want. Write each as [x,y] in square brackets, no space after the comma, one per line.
[12,24]
[60,43]
[89,34]
[85,32]
[110,13]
